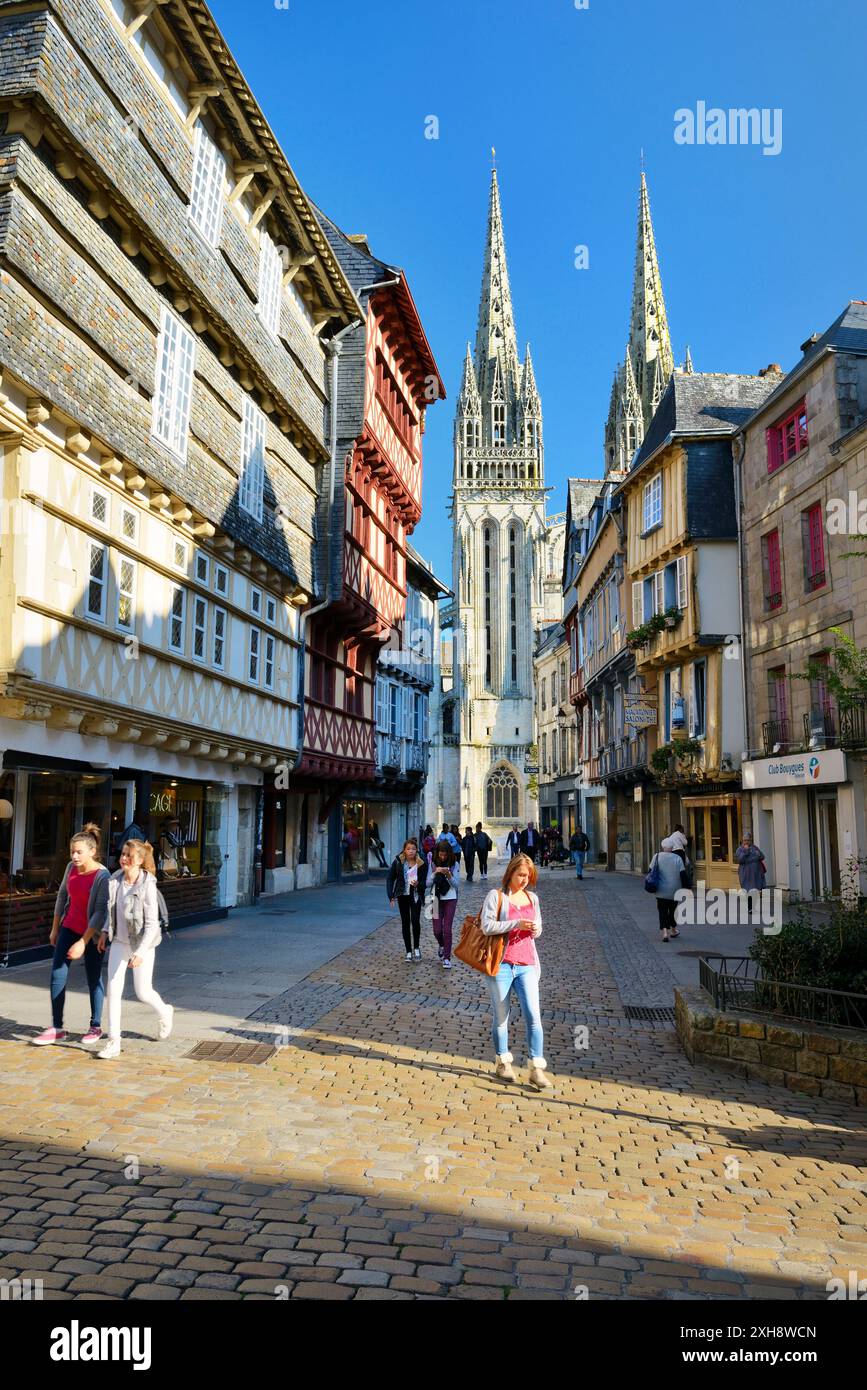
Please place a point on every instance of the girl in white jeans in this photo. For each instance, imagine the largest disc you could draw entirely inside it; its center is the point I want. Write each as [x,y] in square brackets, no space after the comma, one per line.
[132,930]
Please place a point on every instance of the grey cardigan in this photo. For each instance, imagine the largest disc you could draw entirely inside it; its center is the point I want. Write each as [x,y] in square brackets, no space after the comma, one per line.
[97,903]
[493,925]
[142,912]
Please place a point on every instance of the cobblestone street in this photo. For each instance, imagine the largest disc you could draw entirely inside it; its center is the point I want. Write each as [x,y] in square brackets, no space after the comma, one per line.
[375,1156]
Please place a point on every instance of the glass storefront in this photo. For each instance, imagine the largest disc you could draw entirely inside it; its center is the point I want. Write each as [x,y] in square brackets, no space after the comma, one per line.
[353,842]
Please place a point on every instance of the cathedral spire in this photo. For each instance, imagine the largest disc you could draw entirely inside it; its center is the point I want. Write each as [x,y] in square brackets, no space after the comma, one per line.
[495,336]
[531,403]
[648,330]
[468,400]
[642,378]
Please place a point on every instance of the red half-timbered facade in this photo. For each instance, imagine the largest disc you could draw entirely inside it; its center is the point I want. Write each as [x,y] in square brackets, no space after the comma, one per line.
[387,379]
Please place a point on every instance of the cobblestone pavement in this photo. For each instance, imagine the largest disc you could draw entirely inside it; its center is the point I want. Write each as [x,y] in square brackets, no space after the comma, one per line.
[375,1156]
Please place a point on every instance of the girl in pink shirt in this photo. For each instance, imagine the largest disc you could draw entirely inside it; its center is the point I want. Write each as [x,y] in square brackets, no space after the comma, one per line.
[515,910]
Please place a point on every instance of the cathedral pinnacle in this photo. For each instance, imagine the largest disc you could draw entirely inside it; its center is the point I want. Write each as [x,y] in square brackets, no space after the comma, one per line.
[495,337]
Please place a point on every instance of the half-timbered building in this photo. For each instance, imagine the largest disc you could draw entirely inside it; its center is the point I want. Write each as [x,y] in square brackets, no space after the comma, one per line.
[384,378]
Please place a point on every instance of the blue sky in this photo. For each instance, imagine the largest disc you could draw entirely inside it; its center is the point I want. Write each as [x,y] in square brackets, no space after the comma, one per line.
[756,251]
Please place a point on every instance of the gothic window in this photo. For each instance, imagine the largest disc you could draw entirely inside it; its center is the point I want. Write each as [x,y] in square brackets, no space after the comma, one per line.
[487,542]
[498,422]
[449,717]
[513,602]
[501,798]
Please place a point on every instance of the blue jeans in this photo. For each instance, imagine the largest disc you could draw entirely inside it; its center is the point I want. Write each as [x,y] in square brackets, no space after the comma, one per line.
[524,979]
[578,858]
[93,963]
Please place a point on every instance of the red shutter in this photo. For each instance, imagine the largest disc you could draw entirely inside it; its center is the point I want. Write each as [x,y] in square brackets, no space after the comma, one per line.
[773,440]
[782,696]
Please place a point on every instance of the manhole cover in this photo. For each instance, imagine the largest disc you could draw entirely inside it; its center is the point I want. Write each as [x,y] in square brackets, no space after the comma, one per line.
[251,1054]
[648,1015]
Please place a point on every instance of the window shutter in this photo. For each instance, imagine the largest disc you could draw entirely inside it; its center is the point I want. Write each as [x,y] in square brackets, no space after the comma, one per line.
[691,701]
[682,581]
[252,482]
[637,603]
[658,591]
[817,546]
[270,278]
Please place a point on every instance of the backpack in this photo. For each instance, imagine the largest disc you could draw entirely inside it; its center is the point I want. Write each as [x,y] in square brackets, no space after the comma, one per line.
[163,915]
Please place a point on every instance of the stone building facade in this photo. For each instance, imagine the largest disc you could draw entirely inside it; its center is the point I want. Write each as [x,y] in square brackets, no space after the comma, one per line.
[803,475]
[166,294]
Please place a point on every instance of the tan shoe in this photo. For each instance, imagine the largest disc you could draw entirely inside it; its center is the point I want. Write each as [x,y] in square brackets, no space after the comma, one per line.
[538,1067]
[504,1067]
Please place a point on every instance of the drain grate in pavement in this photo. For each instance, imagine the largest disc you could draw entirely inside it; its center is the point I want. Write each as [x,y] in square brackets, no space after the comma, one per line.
[251,1054]
[647,1015]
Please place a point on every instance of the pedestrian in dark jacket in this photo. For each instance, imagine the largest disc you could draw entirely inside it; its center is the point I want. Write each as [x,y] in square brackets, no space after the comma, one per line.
[468,845]
[484,845]
[406,881]
[578,847]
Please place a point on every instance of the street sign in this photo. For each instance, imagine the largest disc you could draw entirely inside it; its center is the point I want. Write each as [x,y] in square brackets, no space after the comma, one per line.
[531,768]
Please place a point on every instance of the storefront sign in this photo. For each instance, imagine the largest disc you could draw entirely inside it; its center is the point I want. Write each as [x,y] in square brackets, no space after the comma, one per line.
[162,803]
[640,716]
[796,770]
[531,768]
[638,792]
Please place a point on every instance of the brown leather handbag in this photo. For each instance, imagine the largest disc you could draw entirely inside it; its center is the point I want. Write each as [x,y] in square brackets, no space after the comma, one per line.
[475,948]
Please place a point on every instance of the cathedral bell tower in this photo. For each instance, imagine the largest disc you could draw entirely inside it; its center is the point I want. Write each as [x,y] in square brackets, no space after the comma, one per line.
[498,516]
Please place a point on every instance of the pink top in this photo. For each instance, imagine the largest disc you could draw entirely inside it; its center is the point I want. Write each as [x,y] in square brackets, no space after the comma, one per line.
[78,886]
[520,947]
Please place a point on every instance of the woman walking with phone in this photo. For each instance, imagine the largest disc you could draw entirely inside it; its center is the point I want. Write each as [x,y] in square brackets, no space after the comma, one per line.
[445,899]
[406,881]
[514,909]
[132,932]
[79,914]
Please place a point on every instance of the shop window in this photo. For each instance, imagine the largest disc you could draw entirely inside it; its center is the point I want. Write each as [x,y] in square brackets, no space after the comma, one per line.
[353,859]
[57,805]
[7,815]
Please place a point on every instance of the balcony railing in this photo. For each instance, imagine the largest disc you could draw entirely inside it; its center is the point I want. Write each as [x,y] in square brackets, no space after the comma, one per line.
[853,726]
[820,729]
[389,752]
[776,736]
[816,580]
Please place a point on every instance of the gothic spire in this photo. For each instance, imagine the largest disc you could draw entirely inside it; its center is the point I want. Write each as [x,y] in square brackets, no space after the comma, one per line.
[531,402]
[495,336]
[648,330]
[468,400]
[687,365]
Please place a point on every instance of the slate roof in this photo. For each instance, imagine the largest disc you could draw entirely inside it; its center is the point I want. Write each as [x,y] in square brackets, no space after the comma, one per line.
[848,333]
[582,494]
[703,403]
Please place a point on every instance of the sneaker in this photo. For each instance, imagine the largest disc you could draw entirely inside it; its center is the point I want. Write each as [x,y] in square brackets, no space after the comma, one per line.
[51,1035]
[409,955]
[417,953]
[447,965]
[111,1049]
[165,1028]
[92,1035]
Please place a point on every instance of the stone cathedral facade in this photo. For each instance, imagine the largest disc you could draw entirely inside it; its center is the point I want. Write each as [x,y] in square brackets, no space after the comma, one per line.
[500,562]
